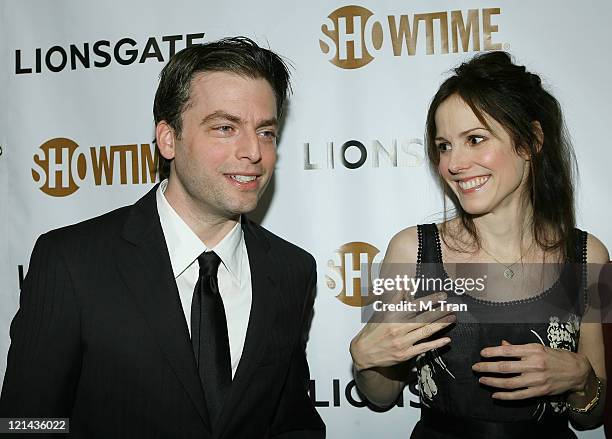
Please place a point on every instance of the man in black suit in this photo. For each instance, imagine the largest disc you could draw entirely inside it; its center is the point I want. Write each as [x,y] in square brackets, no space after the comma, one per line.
[177,317]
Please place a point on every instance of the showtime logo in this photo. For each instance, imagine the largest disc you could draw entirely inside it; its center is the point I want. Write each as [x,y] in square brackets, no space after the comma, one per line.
[349,272]
[352,36]
[63,169]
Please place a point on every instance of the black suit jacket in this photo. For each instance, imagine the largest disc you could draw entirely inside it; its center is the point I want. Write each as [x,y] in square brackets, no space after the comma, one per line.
[100,337]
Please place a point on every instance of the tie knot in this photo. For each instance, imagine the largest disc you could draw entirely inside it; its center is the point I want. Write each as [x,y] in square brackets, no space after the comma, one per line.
[209,263]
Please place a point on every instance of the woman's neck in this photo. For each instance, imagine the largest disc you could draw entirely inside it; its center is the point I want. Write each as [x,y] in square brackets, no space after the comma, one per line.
[506,236]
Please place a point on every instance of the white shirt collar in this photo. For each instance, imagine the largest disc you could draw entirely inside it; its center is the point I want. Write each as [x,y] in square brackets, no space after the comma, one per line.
[184,246]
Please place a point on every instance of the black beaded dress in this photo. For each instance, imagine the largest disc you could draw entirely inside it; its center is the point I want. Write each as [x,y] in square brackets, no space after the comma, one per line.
[453,403]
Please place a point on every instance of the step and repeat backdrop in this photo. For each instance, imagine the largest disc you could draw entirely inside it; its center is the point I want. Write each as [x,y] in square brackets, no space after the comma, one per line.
[76,130]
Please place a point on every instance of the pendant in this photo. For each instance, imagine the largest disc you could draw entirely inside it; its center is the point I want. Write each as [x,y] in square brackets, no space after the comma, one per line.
[508,273]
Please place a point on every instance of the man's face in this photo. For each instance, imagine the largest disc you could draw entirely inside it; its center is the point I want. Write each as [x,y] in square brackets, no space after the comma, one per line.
[226,154]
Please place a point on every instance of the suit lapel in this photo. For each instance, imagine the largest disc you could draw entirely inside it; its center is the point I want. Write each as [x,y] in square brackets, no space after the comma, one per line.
[144,264]
[263,298]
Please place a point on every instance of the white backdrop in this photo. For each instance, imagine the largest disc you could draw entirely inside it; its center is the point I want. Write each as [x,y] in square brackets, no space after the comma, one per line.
[349,86]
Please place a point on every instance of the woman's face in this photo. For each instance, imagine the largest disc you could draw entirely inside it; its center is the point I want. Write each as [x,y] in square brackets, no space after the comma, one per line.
[480,165]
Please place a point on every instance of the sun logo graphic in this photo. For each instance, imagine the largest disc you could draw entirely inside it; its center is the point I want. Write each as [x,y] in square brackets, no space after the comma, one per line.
[350,271]
[60,164]
[350,37]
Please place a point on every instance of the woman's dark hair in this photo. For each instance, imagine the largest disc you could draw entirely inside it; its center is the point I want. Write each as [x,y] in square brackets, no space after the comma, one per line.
[238,55]
[491,84]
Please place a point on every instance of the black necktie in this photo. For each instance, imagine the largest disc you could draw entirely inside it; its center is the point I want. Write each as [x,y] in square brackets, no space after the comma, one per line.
[209,335]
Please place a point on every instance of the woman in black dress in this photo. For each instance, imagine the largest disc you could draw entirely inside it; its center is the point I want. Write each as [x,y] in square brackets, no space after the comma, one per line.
[525,359]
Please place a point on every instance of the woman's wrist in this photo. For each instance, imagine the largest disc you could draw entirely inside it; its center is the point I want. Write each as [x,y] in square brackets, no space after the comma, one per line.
[358,365]
[588,390]
[591,398]
[585,376]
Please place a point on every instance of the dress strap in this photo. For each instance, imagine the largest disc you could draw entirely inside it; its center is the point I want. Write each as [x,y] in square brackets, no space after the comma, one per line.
[580,258]
[580,247]
[429,255]
[430,250]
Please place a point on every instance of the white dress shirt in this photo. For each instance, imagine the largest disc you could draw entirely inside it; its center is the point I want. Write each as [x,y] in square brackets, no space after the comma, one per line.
[234,275]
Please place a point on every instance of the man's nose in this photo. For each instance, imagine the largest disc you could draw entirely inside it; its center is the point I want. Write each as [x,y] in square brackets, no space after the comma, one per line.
[249,147]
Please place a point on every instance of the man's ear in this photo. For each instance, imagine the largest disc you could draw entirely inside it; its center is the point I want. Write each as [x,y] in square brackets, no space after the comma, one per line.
[164,135]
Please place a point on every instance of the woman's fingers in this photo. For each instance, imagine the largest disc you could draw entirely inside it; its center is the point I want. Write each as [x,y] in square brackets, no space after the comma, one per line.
[430,329]
[426,331]
[396,334]
[421,348]
[506,366]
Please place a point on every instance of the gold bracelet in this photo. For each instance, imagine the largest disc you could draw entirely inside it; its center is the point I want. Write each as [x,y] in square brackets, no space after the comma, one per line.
[593,402]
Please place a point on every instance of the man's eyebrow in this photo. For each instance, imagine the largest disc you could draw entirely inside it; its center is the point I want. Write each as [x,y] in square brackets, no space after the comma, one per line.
[222,115]
[268,122]
[219,114]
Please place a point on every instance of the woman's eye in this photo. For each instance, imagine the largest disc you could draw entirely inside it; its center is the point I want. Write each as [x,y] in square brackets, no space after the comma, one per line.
[475,140]
[444,146]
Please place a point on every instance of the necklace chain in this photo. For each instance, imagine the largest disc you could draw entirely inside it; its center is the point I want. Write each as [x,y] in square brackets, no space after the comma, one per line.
[508,272]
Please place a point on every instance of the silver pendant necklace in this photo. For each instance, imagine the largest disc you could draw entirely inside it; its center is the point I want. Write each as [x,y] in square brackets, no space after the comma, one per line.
[508,272]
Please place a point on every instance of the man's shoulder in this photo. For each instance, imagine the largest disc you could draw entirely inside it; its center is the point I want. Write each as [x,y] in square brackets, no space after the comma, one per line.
[103,226]
[282,248]
[88,240]
[106,226]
